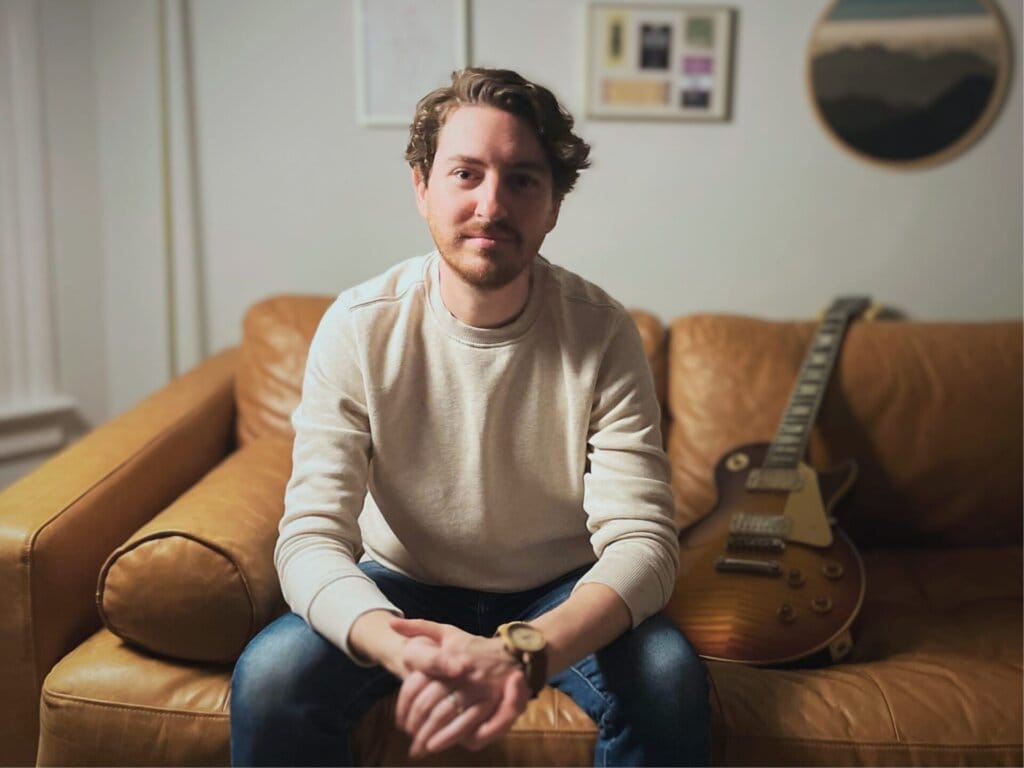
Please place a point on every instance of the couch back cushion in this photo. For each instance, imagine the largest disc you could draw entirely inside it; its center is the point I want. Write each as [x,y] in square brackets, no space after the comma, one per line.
[931,412]
[276,334]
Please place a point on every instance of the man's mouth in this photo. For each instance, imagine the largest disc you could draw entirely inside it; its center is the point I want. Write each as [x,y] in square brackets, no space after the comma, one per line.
[490,237]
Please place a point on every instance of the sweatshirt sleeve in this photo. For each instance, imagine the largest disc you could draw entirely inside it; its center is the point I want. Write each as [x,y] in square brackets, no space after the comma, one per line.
[319,541]
[627,493]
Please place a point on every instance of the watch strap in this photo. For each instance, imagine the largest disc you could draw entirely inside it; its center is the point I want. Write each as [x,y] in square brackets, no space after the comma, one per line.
[534,664]
[535,667]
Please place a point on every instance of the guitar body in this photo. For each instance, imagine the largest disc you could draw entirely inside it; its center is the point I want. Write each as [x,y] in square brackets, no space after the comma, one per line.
[764,606]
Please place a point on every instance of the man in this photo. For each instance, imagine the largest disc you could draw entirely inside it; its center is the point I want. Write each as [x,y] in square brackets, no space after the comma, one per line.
[519,528]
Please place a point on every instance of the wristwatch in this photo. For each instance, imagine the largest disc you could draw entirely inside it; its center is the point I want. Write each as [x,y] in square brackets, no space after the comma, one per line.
[526,644]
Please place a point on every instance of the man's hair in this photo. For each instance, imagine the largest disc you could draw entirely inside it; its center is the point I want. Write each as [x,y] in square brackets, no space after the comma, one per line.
[567,153]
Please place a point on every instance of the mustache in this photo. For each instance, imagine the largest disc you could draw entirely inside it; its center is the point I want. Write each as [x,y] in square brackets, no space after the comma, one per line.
[494,230]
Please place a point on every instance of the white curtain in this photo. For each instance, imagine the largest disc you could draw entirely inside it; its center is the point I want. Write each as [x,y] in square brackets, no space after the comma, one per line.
[29,388]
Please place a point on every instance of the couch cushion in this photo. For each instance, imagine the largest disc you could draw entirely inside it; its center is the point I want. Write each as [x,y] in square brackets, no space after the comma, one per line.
[931,412]
[198,581]
[276,334]
[934,679]
[655,340]
[108,704]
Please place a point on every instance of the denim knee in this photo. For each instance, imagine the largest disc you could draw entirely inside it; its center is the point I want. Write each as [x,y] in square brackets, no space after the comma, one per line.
[670,664]
[274,666]
[661,672]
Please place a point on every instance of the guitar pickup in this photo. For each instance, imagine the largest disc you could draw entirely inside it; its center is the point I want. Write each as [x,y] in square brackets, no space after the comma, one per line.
[742,565]
[737,541]
[773,479]
[747,524]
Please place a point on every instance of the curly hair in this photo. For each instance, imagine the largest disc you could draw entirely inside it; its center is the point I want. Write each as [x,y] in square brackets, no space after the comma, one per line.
[566,152]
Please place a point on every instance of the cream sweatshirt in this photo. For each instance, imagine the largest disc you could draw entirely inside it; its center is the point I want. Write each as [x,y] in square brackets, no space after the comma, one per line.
[495,459]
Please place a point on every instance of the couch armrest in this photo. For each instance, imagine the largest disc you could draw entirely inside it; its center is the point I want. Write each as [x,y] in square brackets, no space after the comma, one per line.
[61,522]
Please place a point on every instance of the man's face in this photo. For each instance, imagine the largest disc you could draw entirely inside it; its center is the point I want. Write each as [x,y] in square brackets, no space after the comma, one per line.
[488,201]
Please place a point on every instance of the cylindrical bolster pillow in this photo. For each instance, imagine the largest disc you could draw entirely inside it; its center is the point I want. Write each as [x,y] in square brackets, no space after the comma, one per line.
[198,581]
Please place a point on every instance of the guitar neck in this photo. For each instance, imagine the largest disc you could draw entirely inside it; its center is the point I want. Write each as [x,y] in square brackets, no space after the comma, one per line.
[790,442]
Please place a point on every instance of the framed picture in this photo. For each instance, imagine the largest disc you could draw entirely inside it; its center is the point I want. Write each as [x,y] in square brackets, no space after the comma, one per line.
[909,84]
[404,49]
[659,61]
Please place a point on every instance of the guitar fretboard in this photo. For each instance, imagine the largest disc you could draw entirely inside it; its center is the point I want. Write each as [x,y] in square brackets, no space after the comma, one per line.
[790,443]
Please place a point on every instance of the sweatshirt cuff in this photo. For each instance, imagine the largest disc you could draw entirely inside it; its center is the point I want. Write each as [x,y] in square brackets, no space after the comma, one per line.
[337,606]
[636,583]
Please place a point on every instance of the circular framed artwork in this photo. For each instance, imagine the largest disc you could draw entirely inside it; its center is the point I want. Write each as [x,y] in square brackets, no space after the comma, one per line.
[908,82]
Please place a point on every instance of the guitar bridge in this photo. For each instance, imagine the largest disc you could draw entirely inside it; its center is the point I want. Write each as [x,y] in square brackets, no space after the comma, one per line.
[743,542]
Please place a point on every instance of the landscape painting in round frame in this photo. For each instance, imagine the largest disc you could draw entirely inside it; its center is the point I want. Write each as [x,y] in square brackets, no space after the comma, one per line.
[908,81]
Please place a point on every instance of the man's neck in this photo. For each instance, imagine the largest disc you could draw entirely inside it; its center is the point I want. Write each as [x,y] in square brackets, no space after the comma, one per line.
[482,308]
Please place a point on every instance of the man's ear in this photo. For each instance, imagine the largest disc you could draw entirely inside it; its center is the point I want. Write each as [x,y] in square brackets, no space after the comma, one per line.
[419,184]
[556,207]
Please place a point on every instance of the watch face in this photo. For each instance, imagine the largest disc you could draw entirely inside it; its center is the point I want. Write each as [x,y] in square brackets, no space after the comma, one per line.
[526,638]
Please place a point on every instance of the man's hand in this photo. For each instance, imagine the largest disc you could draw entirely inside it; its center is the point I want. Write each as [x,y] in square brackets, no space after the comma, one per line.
[460,689]
[441,650]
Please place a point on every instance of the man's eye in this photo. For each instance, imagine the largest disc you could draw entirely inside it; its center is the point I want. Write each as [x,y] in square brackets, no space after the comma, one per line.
[462,174]
[524,181]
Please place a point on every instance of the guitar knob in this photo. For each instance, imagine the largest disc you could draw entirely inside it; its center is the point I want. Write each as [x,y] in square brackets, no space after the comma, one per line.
[833,570]
[737,462]
[786,613]
[795,577]
[821,604]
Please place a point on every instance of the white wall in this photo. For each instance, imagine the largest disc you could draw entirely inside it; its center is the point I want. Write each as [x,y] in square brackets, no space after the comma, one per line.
[764,214]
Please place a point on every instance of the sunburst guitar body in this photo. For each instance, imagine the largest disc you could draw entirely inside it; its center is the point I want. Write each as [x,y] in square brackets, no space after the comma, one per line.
[747,592]
[767,577]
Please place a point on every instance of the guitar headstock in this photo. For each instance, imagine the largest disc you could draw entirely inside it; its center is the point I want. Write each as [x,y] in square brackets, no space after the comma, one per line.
[860,308]
[849,306]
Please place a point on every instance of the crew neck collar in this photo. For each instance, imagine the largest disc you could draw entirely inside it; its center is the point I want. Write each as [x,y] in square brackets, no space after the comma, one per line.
[469,334]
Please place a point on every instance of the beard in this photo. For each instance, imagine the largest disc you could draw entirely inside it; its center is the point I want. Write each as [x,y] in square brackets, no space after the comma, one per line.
[486,269]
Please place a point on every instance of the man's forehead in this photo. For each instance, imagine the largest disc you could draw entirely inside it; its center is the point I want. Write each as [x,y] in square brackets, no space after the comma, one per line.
[481,133]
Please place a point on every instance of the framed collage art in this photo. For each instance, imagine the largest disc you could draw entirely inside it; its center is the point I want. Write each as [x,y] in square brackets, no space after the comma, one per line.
[659,61]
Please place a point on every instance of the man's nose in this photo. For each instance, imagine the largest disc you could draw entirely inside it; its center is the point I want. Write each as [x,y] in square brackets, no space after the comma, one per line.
[490,202]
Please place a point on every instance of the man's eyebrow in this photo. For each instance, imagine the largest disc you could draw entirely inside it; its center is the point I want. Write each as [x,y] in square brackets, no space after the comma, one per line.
[531,165]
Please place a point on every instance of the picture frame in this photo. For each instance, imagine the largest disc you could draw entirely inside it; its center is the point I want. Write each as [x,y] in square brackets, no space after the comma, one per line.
[404,49]
[659,61]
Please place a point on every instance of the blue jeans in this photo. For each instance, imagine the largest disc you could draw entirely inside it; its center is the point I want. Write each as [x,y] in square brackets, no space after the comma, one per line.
[295,697]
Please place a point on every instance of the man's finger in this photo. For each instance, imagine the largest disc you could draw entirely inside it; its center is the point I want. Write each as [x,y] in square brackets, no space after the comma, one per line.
[411,687]
[462,727]
[513,701]
[439,716]
[425,703]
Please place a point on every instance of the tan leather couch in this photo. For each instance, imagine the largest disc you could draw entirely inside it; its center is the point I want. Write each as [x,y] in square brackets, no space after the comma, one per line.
[135,565]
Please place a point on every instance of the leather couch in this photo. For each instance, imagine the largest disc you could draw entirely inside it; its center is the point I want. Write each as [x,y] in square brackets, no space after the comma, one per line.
[135,565]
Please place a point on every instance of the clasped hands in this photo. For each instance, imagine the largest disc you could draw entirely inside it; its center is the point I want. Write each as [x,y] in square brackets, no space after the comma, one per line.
[459,688]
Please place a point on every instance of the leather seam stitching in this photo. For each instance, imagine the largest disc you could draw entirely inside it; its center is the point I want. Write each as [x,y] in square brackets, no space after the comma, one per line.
[902,746]
[888,707]
[49,695]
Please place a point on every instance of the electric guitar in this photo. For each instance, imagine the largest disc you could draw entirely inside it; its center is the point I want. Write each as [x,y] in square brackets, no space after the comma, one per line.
[767,577]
